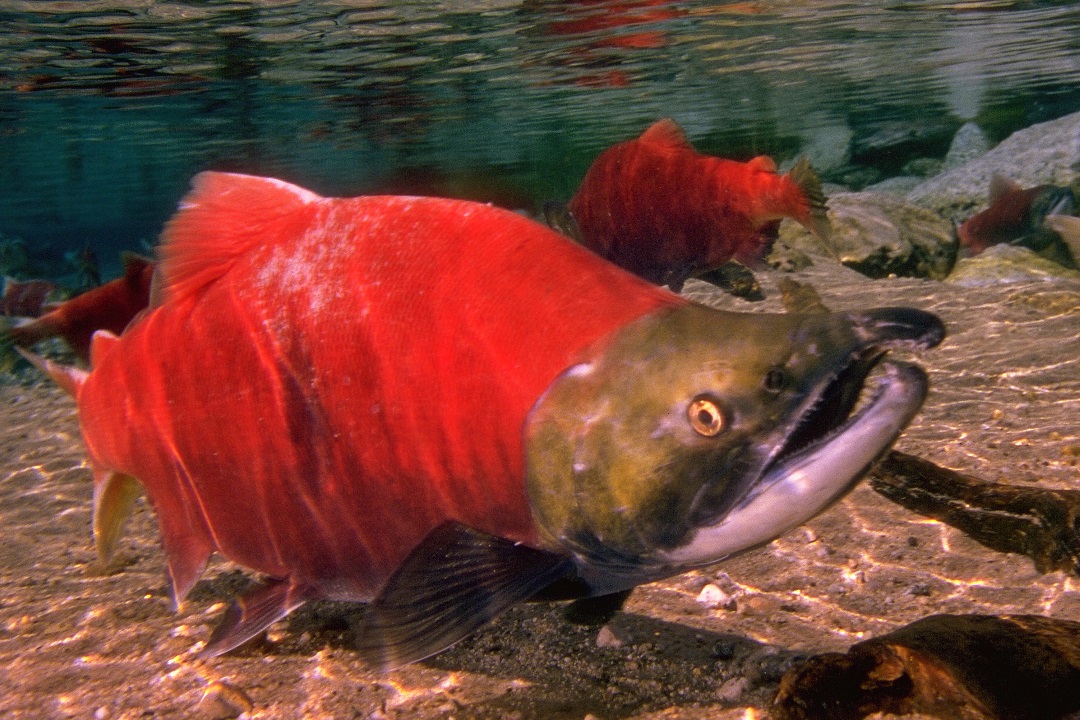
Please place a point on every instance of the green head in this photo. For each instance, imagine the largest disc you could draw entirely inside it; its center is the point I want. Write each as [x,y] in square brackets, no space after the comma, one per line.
[692,434]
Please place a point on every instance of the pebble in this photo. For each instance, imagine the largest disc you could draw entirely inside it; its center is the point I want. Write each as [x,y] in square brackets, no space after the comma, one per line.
[712,596]
[223,701]
[733,689]
[607,638]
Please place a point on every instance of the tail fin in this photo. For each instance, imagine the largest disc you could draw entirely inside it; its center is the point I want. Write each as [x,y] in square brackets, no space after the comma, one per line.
[806,178]
[32,332]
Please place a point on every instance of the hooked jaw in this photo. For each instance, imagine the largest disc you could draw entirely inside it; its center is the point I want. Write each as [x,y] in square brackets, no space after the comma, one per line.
[695,435]
[825,450]
[800,485]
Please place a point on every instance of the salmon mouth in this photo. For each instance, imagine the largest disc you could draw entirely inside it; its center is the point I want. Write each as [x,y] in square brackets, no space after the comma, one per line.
[831,443]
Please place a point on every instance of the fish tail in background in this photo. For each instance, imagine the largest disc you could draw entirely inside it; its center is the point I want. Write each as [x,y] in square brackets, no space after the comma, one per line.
[8,357]
[806,179]
[30,333]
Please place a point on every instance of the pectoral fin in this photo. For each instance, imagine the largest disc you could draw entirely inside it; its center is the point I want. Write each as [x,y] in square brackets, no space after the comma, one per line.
[257,610]
[453,583]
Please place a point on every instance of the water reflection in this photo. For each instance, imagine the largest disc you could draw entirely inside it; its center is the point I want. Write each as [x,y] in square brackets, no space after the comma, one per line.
[107,108]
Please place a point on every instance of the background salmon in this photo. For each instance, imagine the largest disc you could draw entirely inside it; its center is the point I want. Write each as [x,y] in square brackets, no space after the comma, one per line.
[1035,218]
[660,209]
[444,408]
[108,307]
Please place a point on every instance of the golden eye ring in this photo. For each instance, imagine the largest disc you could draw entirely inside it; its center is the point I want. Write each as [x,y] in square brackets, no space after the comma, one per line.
[705,416]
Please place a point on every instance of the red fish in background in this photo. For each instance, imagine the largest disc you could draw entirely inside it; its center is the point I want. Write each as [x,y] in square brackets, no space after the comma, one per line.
[602,17]
[107,307]
[605,33]
[1018,215]
[665,212]
[445,408]
[25,298]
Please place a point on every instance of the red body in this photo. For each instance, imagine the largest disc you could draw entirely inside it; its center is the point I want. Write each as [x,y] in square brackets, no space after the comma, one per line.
[327,380]
[25,298]
[1007,218]
[108,307]
[660,209]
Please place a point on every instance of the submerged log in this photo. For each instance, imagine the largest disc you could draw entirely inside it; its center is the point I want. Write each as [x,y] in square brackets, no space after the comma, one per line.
[1043,524]
[960,667]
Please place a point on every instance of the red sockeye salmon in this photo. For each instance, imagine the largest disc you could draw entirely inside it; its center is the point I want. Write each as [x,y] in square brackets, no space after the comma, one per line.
[442,408]
[660,209]
[1040,218]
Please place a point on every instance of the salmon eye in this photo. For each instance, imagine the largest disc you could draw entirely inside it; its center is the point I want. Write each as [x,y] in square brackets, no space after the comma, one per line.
[705,416]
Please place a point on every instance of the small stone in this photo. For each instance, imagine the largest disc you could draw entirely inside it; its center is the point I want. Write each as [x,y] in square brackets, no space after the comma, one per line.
[725,649]
[713,597]
[607,638]
[733,689]
[222,701]
[921,590]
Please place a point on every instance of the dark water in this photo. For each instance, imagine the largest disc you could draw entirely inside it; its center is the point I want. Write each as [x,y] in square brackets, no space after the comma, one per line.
[108,108]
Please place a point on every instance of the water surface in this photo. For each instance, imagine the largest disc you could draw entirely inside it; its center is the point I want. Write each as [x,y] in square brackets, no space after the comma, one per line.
[108,108]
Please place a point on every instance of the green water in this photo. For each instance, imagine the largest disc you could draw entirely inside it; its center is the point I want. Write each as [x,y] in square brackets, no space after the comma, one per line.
[108,108]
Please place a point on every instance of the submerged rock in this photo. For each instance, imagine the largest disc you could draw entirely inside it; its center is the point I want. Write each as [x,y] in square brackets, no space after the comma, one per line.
[969,144]
[877,235]
[1007,264]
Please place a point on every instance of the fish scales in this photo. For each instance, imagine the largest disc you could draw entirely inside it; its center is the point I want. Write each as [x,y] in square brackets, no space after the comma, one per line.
[303,417]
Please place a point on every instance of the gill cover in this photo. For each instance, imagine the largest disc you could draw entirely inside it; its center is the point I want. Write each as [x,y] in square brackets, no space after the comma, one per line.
[639,458]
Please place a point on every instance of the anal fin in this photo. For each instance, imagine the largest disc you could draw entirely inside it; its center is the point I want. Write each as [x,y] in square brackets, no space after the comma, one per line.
[257,610]
[455,581]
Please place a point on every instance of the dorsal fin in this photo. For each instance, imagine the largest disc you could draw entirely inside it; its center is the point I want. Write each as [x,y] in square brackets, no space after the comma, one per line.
[666,132]
[101,344]
[224,216]
[1001,185]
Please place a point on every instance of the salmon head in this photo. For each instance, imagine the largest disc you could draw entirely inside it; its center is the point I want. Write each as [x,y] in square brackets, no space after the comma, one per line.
[697,434]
